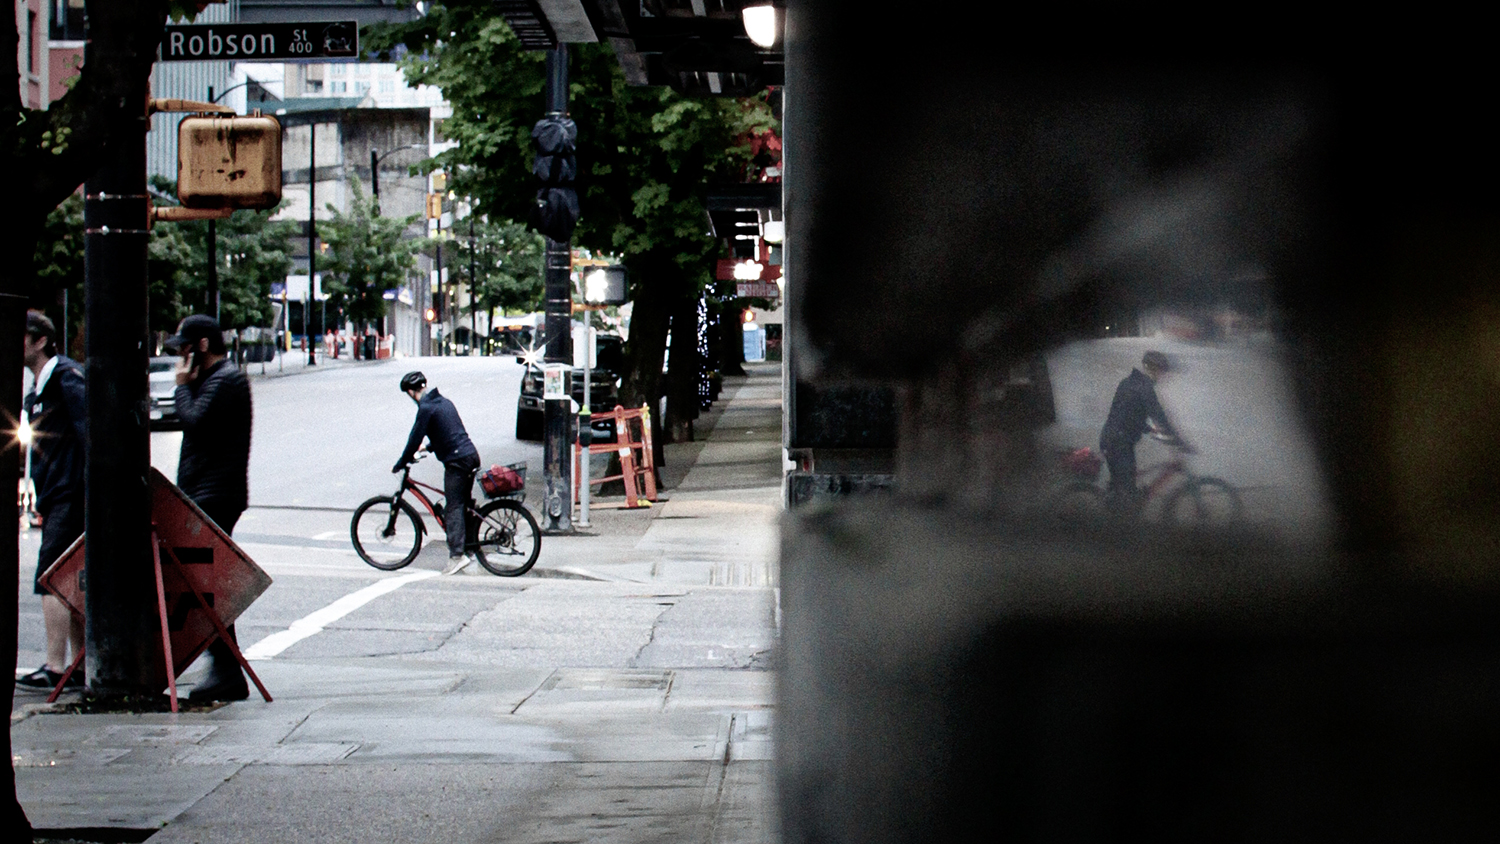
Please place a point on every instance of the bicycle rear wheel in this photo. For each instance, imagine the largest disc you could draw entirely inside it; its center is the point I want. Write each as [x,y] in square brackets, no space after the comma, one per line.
[1204,502]
[387,532]
[507,539]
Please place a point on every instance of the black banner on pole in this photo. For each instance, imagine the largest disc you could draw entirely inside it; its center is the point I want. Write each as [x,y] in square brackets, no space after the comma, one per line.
[263,41]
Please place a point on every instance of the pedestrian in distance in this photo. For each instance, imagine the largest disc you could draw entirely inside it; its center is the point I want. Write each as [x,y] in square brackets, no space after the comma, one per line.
[438,422]
[213,468]
[58,417]
[1135,410]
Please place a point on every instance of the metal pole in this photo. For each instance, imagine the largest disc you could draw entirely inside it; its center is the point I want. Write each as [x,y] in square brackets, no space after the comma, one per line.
[585,426]
[120,601]
[473,269]
[557,444]
[213,254]
[312,236]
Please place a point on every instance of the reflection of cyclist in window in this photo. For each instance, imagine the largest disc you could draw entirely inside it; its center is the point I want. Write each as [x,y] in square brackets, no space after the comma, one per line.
[1135,410]
[437,421]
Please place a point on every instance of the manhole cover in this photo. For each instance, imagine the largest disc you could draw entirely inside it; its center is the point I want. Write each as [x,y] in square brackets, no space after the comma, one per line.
[612,679]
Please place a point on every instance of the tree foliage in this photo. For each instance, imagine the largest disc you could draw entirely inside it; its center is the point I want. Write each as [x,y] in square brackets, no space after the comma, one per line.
[367,255]
[252,251]
[646,156]
[506,259]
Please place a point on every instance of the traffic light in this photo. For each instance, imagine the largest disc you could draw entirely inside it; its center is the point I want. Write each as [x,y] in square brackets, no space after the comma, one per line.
[431,315]
[556,211]
[226,161]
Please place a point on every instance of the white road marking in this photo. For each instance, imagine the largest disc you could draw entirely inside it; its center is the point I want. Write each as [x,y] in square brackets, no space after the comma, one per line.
[313,623]
[332,534]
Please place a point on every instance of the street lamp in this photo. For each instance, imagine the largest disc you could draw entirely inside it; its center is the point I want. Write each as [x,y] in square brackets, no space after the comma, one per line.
[760,23]
[375,158]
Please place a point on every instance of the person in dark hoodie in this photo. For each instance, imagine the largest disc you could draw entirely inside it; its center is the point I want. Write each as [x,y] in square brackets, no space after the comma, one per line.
[438,422]
[58,417]
[1135,410]
[213,468]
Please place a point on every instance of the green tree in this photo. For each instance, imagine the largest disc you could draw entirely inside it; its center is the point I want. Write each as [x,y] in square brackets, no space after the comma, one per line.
[507,260]
[645,158]
[58,263]
[367,255]
[252,251]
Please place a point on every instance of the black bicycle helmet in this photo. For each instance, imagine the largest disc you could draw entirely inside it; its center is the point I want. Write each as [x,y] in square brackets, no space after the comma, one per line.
[413,381]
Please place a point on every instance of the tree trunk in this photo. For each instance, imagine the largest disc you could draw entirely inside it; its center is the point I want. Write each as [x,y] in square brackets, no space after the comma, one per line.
[657,278]
[12,310]
[684,369]
[732,338]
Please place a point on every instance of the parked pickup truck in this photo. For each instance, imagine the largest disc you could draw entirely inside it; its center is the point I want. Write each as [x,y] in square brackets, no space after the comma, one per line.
[604,391]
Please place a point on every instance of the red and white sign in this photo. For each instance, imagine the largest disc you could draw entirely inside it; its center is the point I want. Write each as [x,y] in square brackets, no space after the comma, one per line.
[224,574]
[761,289]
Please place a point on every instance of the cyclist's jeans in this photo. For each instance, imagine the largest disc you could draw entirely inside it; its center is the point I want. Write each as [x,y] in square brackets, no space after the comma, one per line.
[458,482]
[1120,456]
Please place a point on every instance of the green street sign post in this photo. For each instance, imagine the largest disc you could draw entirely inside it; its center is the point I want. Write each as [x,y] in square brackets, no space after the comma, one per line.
[260,41]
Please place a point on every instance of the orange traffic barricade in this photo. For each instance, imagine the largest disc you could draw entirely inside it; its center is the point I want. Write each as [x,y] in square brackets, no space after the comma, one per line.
[634,446]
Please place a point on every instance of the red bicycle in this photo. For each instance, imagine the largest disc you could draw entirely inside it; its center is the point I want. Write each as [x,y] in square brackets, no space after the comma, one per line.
[1187,499]
[502,534]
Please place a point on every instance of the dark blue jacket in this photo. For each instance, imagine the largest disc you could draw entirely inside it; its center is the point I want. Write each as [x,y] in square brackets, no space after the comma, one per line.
[214,466]
[437,420]
[1135,402]
[59,424]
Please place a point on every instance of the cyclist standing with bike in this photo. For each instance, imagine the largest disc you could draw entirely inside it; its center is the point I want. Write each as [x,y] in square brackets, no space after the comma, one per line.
[1135,410]
[438,422]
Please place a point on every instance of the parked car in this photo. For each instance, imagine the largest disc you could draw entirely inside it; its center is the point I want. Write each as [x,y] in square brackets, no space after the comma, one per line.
[162,375]
[604,391]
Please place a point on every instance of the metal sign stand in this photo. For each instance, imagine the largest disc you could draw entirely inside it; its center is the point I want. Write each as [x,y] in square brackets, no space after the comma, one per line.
[157,546]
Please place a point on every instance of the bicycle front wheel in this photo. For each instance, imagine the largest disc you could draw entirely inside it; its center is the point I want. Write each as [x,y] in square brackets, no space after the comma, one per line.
[1204,502]
[387,532]
[507,539]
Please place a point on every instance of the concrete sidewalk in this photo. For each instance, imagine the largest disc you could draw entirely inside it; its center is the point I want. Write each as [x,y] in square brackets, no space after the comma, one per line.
[622,694]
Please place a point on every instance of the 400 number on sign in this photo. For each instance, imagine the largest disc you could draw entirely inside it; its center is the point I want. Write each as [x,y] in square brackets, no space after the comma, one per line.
[217,42]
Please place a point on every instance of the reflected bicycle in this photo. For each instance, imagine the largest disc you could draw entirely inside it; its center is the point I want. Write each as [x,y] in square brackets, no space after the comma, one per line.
[1187,499]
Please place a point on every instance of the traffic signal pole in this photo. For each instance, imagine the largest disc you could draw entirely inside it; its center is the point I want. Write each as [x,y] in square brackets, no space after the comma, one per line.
[120,599]
[557,446]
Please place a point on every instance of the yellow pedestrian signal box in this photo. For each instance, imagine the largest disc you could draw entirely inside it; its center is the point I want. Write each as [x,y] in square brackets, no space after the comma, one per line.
[434,206]
[226,161]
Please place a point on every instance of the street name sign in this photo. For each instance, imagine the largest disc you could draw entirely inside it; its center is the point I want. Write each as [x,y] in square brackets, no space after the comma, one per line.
[260,41]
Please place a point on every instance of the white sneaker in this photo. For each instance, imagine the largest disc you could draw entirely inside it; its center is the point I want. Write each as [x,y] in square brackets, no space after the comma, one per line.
[458,564]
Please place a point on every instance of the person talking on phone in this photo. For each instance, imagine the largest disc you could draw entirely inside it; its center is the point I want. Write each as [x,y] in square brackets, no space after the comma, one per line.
[213,469]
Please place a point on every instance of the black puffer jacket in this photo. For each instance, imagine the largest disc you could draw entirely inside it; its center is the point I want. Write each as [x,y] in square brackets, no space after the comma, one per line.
[214,465]
[1135,403]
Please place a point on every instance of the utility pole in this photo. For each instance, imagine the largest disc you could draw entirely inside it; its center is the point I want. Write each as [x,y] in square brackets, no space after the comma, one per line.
[120,601]
[312,237]
[557,446]
[442,291]
[473,283]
